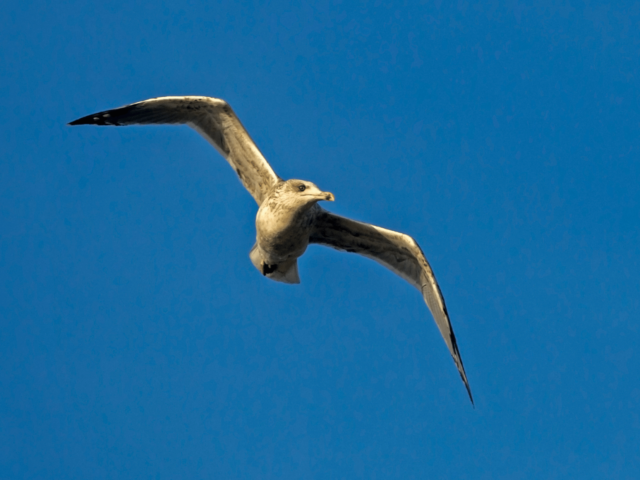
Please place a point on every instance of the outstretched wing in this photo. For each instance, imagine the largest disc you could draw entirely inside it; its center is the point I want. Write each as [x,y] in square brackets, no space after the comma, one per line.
[398,252]
[213,119]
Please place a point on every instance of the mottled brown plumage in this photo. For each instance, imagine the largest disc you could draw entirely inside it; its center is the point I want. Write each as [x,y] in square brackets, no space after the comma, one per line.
[289,217]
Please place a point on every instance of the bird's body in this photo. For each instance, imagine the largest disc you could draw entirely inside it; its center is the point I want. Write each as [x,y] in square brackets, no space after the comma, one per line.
[289,218]
[282,234]
[283,230]
[284,224]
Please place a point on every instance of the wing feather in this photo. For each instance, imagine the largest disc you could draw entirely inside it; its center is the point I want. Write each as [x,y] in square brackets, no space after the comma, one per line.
[210,117]
[402,255]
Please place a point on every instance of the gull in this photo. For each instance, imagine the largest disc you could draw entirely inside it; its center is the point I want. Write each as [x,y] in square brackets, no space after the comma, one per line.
[289,217]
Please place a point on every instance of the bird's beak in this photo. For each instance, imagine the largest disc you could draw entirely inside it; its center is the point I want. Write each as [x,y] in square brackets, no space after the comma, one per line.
[328,196]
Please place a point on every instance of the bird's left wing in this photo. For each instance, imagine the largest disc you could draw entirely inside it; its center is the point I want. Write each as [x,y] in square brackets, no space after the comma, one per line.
[398,252]
[214,119]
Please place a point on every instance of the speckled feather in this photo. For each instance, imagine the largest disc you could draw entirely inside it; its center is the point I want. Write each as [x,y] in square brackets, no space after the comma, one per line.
[213,119]
[399,253]
[289,218]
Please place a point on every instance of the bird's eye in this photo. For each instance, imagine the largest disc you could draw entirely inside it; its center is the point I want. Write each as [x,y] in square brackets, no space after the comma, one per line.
[302,188]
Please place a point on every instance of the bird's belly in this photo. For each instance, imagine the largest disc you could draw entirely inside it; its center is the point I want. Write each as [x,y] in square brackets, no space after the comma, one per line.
[282,246]
[280,239]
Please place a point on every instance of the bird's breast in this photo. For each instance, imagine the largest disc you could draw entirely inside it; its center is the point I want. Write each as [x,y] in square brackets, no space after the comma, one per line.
[282,233]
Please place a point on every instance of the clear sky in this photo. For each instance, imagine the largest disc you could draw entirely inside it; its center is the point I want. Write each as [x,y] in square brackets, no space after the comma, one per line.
[137,339]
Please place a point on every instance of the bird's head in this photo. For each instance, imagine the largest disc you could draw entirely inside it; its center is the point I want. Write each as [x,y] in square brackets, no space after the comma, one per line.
[302,192]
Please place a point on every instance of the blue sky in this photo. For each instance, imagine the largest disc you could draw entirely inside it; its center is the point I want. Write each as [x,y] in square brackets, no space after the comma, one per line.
[137,339]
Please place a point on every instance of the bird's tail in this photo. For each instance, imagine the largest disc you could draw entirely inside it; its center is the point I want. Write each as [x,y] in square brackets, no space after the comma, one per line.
[286,272]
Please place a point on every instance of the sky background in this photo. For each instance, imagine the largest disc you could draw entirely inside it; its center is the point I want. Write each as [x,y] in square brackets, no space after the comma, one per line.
[137,339]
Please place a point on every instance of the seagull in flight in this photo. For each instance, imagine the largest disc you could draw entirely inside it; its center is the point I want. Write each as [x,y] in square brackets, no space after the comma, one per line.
[289,217]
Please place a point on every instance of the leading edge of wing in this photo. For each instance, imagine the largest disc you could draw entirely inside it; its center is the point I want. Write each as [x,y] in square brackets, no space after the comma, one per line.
[157,110]
[214,119]
[402,255]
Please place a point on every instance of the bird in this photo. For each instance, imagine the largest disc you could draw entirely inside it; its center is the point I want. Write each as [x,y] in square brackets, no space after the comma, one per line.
[289,218]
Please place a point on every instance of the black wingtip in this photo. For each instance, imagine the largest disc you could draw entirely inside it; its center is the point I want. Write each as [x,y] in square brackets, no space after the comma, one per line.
[100,118]
[95,119]
[463,376]
[470,396]
[457,359]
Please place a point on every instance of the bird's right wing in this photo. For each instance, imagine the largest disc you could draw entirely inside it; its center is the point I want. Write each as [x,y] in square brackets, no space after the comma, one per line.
[398,252]
[213,119]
